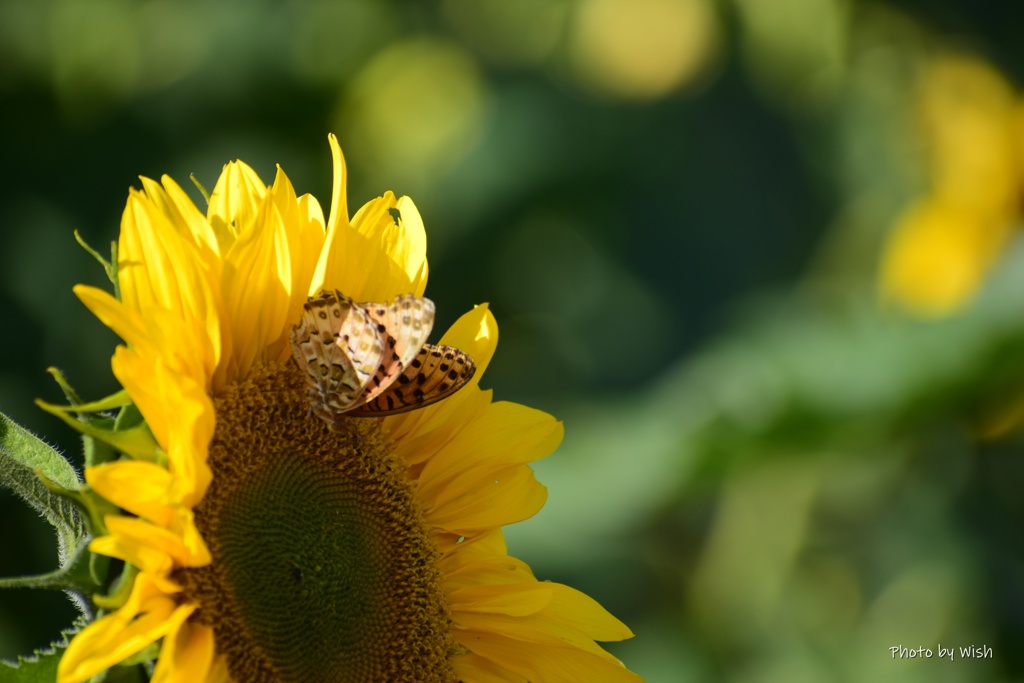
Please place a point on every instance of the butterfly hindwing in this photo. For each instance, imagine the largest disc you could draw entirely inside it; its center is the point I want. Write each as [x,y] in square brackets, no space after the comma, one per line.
[370,359]
[435,373]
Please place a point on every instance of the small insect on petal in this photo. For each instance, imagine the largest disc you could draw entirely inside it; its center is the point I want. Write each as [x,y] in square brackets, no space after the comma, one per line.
[371,360]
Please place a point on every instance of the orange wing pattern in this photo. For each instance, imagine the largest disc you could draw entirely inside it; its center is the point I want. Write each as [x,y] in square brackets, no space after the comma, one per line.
[369,359]
[436,373]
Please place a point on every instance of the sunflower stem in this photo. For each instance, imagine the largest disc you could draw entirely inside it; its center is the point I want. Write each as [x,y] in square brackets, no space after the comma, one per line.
[74,576]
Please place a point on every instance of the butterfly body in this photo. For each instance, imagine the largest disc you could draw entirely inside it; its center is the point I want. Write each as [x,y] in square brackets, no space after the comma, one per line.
[370,359]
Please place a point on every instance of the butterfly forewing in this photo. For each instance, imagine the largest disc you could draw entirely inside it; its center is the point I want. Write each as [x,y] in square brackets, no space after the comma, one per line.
[369,359]
[435,373]
[339,347]
[404,326]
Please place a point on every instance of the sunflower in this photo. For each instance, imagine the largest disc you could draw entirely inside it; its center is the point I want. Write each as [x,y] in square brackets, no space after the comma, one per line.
[271,546]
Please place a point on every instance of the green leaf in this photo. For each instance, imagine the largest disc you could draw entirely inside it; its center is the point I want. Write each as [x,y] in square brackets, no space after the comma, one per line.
[41,665]
[806,375]
[23,458]
[41,668]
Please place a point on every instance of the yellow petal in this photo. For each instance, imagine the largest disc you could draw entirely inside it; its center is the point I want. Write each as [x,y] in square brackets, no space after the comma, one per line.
[151,560]
[132,530]
[337,224]
[162,278]
[503,433]
[395,231]
[256,301]
[219,671]
[339,200]
[357,265]
[142,488]
[508,497]
[170,200]
[311,238]
[159,269]
[148,254]
[148,615]
[184,432]
[498,599]
[473,667]
[297,247]
[198,226]
[190,430]
[483,558]
[414,257]
[186,655]
[476,477]
[234,202]
[126,323]
[551,664]
[547,626]
[582,613]
[160,332]
[372,258]
[476,333]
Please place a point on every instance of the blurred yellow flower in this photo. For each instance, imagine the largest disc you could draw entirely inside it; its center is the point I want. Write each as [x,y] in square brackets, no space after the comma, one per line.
[942,246]
[270,547]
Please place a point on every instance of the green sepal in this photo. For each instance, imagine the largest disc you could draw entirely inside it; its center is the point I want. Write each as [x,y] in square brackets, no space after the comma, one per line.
[146,654]
[199,186]
[122,673]
[109,266]
[121,591]
[98,446]
[118,399]
[136,442]
[69,393]
[128,417]
[94,506]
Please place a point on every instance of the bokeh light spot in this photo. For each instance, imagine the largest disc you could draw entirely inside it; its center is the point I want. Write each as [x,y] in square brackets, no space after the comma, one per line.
[642,49]
[414,111]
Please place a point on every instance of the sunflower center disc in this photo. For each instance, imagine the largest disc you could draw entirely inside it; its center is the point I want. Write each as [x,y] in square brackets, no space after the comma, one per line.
[322,569]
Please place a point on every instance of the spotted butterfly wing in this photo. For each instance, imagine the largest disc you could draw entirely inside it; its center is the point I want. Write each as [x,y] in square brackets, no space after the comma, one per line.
[368,359]
[340,348]
[404,326]
[434,374]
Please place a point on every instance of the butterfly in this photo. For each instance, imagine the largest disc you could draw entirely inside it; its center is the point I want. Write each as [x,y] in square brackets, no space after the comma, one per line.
[369,359]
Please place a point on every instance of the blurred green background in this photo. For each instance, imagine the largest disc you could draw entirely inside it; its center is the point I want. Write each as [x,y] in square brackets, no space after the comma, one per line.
[678,210]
